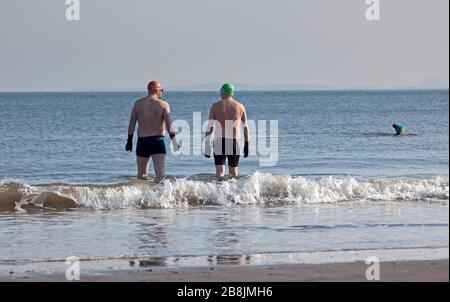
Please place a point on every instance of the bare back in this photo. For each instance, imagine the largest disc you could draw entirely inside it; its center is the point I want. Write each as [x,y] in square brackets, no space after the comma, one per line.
[229,114]
[150,113]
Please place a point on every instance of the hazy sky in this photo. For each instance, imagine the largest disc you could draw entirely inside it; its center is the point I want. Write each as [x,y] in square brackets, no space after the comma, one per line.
[120,44]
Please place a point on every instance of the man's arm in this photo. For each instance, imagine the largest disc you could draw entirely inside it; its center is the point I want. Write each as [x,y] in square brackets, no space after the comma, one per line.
[245,125]
[169,126]
[210,126]
[131,128]
[209,130]
[133,120]
[246,132]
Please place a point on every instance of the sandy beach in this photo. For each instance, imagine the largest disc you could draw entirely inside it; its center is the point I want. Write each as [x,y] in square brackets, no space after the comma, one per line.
[407,271]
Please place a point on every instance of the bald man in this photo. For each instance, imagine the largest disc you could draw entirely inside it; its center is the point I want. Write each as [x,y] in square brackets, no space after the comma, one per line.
[151,113]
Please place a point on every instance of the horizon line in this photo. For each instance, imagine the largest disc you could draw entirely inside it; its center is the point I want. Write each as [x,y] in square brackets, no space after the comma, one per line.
[244,89]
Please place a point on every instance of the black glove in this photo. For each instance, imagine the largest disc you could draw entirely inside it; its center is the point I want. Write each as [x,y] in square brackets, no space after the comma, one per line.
[207,152]
[129,145]
[246,150]
[176,146]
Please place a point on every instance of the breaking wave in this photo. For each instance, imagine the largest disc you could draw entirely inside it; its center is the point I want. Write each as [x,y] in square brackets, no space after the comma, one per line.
[257,189]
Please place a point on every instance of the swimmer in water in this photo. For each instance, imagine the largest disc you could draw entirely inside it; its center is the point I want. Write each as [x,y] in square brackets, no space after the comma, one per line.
[399,129]
[226,118]
[151,113]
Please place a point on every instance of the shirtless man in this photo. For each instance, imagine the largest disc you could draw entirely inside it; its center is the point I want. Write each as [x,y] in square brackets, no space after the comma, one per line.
[225,119]
[151,113]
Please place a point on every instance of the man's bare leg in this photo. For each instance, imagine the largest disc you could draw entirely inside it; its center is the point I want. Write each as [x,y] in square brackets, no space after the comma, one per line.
[159,164]
[234,172]
[220,172]
[142,163]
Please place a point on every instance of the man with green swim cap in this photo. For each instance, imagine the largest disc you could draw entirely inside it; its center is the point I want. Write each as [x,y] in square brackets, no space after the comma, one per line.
[399,129]
[226,118]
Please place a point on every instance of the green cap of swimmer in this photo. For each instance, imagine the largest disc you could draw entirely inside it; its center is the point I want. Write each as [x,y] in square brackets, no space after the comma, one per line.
[399,129]
[227,90]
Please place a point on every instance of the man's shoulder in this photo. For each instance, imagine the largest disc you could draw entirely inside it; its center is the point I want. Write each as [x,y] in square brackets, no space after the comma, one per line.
[164,103]
[239,104]
[140,101]
[216,104]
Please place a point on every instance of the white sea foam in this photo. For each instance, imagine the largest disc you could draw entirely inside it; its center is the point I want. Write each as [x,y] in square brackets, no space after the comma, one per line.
[257,189]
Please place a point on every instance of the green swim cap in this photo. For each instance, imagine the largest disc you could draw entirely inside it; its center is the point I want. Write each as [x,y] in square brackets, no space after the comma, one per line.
[227,90]
[398,128]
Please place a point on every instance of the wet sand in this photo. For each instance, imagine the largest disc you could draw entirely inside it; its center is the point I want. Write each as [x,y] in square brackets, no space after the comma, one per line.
[408,271]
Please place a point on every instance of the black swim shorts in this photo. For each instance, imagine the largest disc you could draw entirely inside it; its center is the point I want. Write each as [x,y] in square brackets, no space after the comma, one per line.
[226,149]
[147,146]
